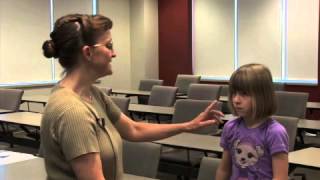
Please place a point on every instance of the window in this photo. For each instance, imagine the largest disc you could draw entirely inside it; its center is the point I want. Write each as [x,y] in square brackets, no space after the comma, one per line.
[280,34]
[24,26]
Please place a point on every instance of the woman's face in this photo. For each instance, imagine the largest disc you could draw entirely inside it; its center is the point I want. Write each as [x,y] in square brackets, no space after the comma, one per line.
[102,54]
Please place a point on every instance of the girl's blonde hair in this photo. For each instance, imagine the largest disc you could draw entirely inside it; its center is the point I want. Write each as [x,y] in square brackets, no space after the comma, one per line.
[254,80]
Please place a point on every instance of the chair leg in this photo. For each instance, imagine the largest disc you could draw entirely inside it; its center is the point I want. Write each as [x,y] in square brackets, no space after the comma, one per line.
[303,176]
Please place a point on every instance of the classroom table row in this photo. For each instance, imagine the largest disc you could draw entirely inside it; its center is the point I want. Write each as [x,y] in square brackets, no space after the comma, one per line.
[159,110]
[43,99]
[206,143]
[16,166]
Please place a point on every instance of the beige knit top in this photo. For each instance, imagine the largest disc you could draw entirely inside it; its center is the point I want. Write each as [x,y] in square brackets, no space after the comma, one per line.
[72,127]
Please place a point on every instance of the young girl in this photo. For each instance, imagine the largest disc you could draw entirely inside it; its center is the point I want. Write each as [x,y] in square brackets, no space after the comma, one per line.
[255,145]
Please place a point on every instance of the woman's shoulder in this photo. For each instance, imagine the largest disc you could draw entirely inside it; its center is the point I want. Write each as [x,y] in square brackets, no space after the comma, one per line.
[63,100]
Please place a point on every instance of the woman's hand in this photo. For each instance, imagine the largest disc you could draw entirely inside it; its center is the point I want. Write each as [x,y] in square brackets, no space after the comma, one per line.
[208,117]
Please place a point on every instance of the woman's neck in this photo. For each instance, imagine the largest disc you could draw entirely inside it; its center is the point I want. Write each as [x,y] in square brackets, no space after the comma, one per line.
[79,82]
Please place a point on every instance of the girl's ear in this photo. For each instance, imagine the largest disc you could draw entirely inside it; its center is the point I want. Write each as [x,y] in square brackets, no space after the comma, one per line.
[86,52]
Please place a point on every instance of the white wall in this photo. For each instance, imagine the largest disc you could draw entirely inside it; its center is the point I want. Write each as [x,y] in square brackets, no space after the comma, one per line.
[25,25]
[144,41]
[283,36]
[61,8]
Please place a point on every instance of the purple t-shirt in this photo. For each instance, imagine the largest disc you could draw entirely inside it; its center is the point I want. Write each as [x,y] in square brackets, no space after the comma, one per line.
[252,149]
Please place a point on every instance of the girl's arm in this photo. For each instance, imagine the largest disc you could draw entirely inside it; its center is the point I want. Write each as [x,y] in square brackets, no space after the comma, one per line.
[224,169]
[280,166]
[137,131]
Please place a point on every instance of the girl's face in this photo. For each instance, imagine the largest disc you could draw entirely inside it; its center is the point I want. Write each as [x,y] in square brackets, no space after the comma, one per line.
[242,104]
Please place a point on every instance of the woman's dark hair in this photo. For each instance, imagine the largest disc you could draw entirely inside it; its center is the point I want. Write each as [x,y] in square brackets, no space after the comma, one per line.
[71,33]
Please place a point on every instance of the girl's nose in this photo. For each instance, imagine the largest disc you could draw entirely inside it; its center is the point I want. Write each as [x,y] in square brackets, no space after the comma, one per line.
[236,98]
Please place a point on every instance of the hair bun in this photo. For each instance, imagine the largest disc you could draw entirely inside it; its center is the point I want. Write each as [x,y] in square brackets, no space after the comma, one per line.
[49,49]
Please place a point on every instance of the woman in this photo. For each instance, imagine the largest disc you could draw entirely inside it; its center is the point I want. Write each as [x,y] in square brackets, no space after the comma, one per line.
[82,128]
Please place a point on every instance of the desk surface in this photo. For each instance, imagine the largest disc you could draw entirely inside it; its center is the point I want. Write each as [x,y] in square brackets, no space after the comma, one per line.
[9,157]
[302,124]
[22,118]
[151,109]
[34,169]
[131,92]
[36,98]
[309,157]
[309,124]
[5,111]
[192,141]
[310,104]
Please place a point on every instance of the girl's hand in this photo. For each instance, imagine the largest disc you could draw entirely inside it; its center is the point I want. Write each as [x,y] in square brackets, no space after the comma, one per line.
[209,116]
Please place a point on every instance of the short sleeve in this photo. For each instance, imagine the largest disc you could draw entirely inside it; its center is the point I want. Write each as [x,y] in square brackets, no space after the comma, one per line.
[76,133]
[225,136]
[277,139]
[113,111]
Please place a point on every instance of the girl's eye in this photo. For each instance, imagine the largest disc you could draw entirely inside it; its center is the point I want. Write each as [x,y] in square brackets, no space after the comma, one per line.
[243,93]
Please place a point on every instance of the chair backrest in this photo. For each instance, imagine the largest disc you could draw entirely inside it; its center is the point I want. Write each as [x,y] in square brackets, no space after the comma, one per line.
[141,158]
[204,91]
[147,84]
[208,168]
[10,99]
[122,103]
[291,103]
[188,109]
[107,90]
[291,125]
[162,96]
[224,90]
[183,82]
[278,86]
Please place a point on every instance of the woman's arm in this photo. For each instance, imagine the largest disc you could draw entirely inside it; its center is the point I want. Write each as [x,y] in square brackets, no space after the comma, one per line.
[138,131]
[280,166]
[224,169]
[88,166]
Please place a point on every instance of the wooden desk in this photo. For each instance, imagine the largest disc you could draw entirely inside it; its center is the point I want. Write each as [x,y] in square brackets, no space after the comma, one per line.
[309,157]
[309,124]
[25,119]
[2,111]
[159,110]
[22,118]
[34,169]
[302,124]
[42,99]
[131,92]
[310,105]
[9,157]
[192,141]
[313,105]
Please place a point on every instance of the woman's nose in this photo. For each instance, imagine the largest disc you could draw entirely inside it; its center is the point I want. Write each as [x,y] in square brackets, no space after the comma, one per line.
[113,54]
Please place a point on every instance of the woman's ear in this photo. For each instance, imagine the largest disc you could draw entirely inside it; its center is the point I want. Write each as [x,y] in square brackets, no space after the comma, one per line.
[86,52]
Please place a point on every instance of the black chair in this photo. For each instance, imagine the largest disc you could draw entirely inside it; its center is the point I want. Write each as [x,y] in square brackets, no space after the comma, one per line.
[204,91]
[185,162]
[146,85]
[208,168]
[141,158]
[183,82]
